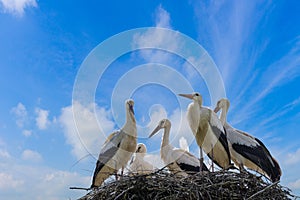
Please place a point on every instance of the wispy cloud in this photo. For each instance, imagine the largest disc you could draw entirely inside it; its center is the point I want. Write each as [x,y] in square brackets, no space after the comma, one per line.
[4,154]
[17,7]
[232,34]
[27,133]
[8,181]
[162,18]
[31,155]
[20,113]
[293,157]
[281,112]
[42,121]
[158,38]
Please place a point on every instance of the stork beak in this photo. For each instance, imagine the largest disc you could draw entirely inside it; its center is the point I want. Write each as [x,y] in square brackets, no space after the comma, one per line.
[155,131]
[217,108]
[138,149]
[189,96]
[131,108]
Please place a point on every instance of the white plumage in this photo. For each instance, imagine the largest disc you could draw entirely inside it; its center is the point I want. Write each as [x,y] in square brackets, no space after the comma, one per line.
[138,164]
[117,149]
[247,150]
[208,131]
[177,160]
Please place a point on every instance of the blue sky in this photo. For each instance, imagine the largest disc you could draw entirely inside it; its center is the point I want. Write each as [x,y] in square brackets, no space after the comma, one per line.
[254,44]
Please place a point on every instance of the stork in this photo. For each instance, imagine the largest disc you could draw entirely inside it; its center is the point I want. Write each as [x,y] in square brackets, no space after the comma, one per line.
[177,160]
[138,164]
[118,148]
[247,150]
[208,131]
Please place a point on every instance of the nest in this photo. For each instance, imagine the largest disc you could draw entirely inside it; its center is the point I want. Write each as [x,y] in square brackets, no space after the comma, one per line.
[215,185]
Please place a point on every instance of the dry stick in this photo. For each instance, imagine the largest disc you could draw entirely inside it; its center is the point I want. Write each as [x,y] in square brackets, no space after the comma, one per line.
[212,160]
[79,188]
[201,160]
[263,190]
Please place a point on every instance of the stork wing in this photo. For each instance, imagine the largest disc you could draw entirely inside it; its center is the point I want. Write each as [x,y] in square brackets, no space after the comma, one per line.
[188,162]
[221,134]
[109,149]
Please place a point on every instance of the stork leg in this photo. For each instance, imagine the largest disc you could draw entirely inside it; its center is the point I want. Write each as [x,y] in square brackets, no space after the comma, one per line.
[122,171]
[212,158]
[242,169]
[201,160]
[116,174]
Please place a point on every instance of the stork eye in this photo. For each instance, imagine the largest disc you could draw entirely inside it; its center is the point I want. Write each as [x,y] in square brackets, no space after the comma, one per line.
[197,94]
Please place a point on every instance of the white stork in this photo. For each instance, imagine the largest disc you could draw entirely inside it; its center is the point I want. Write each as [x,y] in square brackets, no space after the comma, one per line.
[208,131]
[117,149]
[138,164]
[247,150]
[177,160]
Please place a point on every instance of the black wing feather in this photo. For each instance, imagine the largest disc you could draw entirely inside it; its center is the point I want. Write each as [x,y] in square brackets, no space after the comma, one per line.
[191,168]
[261,157]
[104,157]
[223,139]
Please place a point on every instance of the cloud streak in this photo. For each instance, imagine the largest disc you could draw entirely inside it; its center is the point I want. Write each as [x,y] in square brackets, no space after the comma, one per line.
[20,113]
[17,7]
[42,121]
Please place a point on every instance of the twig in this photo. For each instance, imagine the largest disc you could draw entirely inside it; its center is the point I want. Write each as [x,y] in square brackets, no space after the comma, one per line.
[124,192]
[266,188]
[79,188]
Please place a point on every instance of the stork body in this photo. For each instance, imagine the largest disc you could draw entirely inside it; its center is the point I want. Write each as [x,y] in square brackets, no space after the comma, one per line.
[138,164]
[118,148]
[208,131]
[247,150]
[177,160]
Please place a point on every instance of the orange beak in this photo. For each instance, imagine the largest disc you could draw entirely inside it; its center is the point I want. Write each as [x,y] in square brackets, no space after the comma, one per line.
[189,96]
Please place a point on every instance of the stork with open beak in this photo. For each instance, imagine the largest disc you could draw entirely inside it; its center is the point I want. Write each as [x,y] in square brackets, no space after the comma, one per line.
[117,149]
[138,164]
[177,160]
[208,131]
[247,150]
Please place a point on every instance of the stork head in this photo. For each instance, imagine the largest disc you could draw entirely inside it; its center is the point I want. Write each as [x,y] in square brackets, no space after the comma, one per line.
[164,123]
[196,97]
[141,149]
[222,104]
[129,106]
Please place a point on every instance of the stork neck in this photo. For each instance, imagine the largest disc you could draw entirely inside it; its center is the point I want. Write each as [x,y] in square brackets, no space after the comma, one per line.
[223,116]
[130,125]
[165,139]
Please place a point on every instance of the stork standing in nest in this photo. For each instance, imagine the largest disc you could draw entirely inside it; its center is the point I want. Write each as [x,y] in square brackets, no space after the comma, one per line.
[247,150]
[118,148]
[177,160]
[208,131]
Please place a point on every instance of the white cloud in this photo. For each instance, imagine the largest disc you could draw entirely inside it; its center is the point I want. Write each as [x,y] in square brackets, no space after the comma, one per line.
[293,158]
[295,184]
[27,133]
[183,144]
[31,155]
[19,180]
[85,136]
[7,181]
[4,154]
[41,119]
[58,182]
[158,39]
[20,113]
[162,18]
[17,7]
